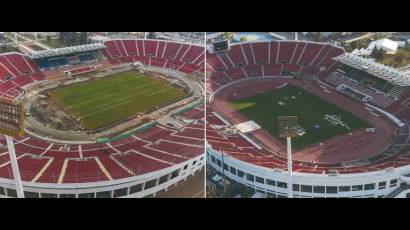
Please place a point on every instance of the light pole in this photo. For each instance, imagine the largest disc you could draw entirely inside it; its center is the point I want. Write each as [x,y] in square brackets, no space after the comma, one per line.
[15,167]
[288,128]
[12,125]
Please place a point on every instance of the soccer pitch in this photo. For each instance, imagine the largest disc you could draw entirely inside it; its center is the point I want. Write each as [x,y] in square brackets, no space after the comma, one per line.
[100,102]
[264,109]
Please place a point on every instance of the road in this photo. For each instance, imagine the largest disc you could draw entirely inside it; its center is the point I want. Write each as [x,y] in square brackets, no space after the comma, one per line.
[362,37]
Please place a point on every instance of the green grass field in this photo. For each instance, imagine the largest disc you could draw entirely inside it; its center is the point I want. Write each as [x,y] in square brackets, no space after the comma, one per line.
[311,110]
[100,102]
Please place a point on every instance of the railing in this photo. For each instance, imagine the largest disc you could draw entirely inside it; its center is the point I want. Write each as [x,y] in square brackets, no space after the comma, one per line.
[188,107]
[127,134]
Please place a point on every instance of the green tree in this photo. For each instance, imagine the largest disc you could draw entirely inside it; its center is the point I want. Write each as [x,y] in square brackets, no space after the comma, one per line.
[317,36]
[353,45]
[407,46]
[359,44]
[377,54]
[399,57]
[83,38]
[243,39]
[381,54]
[69,38]
[228,35]
[374,52]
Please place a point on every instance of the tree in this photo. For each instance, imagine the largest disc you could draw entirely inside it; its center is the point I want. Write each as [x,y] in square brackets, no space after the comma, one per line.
[374,52]
[407,46]
[359,44]
[151,35]
[335,36]
[317,36]
[243,39]
[72,38]
[228,35]
[353,45]
[83,37]
[399,57]
[62,36]
[379,55]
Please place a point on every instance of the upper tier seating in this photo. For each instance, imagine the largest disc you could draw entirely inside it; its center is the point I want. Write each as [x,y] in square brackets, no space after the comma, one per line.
[16,71]
[186,58]
[272,58]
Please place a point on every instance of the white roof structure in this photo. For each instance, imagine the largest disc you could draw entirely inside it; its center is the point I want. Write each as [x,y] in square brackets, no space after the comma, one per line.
[385,44]
[248,126]
[387,73]
[401,44]
[65,50]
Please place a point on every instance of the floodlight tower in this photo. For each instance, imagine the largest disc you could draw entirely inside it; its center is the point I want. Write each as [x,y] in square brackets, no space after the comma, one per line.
[288,128]
[12,125]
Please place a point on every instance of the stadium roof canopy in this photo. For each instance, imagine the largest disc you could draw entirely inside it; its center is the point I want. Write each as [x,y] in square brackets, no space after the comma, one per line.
[65,50]
[387,73]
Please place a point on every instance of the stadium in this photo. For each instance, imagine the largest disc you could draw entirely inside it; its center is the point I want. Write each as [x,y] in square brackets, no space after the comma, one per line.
[353,136]
[117,118]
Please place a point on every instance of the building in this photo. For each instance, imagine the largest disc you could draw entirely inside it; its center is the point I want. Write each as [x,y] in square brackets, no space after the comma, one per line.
[385,44]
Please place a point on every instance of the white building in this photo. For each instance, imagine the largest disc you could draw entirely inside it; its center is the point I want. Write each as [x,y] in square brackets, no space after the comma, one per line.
[385,44]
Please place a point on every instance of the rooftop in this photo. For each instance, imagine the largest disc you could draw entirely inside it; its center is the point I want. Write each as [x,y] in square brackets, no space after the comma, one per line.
[65,50]
[387,73]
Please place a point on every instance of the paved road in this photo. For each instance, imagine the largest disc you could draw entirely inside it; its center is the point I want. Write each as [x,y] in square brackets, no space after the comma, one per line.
[362,37]
[193,187]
